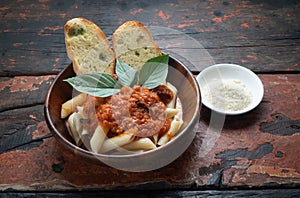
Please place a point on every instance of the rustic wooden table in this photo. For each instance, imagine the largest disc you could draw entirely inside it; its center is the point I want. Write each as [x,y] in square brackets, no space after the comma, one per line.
[255,154]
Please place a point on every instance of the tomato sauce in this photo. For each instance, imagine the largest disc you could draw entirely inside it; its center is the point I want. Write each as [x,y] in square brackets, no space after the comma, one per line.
[136,107]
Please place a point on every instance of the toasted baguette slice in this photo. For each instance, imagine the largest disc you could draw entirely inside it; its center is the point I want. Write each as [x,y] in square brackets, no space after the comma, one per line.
[133,44]
[88,47]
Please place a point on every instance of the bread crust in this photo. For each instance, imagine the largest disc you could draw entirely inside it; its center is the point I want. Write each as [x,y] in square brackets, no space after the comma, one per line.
[97,38]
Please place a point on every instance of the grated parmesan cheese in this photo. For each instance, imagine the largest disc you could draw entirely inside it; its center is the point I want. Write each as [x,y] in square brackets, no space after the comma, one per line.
[228,95]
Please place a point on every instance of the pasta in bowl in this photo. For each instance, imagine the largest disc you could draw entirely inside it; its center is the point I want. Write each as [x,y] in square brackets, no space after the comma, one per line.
[136,129]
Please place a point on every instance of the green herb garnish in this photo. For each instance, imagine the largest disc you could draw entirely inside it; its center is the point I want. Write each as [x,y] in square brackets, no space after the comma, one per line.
[76,31]
[127,76]
[153,73]
[95,84]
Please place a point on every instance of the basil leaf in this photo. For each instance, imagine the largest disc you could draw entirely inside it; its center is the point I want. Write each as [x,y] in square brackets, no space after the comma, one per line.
[98,92]
[154,72]
[95,84]
[127,76]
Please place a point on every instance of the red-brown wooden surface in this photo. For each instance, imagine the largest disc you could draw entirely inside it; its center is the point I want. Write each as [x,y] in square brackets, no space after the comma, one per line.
[257,150]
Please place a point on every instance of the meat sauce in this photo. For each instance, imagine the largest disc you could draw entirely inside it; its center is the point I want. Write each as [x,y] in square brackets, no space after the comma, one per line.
[136,108]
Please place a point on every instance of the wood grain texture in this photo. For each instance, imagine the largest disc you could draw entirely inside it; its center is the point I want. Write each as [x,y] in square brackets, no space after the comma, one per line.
[247,152]
[287,193]
[23,91]
[256,150]
[263,36]
[22,128]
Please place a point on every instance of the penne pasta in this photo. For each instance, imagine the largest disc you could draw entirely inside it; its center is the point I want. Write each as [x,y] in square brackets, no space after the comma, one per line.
[172,104]
[140,144]
[75,125]
[69,106]
[74,131]
[98,138]
[171,112]
[78,125]
[84,132]
[175,126]
[117,141]
[155,138]
[79,122]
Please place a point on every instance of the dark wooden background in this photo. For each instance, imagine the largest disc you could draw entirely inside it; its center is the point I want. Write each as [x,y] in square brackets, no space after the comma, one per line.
[256,150]
[261,35]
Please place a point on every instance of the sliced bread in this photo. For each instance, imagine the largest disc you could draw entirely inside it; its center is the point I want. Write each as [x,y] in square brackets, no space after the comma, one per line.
[133,44]
[88,47]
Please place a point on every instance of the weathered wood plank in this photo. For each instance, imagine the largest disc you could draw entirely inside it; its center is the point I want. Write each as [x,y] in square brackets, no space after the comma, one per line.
[282,193]
[258,148]
[262,36]
[23,91]
[22,128]
[254,150]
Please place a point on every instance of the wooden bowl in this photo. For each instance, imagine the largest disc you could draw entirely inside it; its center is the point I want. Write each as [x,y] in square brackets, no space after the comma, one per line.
[189,94]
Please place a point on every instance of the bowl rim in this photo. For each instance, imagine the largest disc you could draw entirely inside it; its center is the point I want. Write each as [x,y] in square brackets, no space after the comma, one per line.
[75,148]
[230,66]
